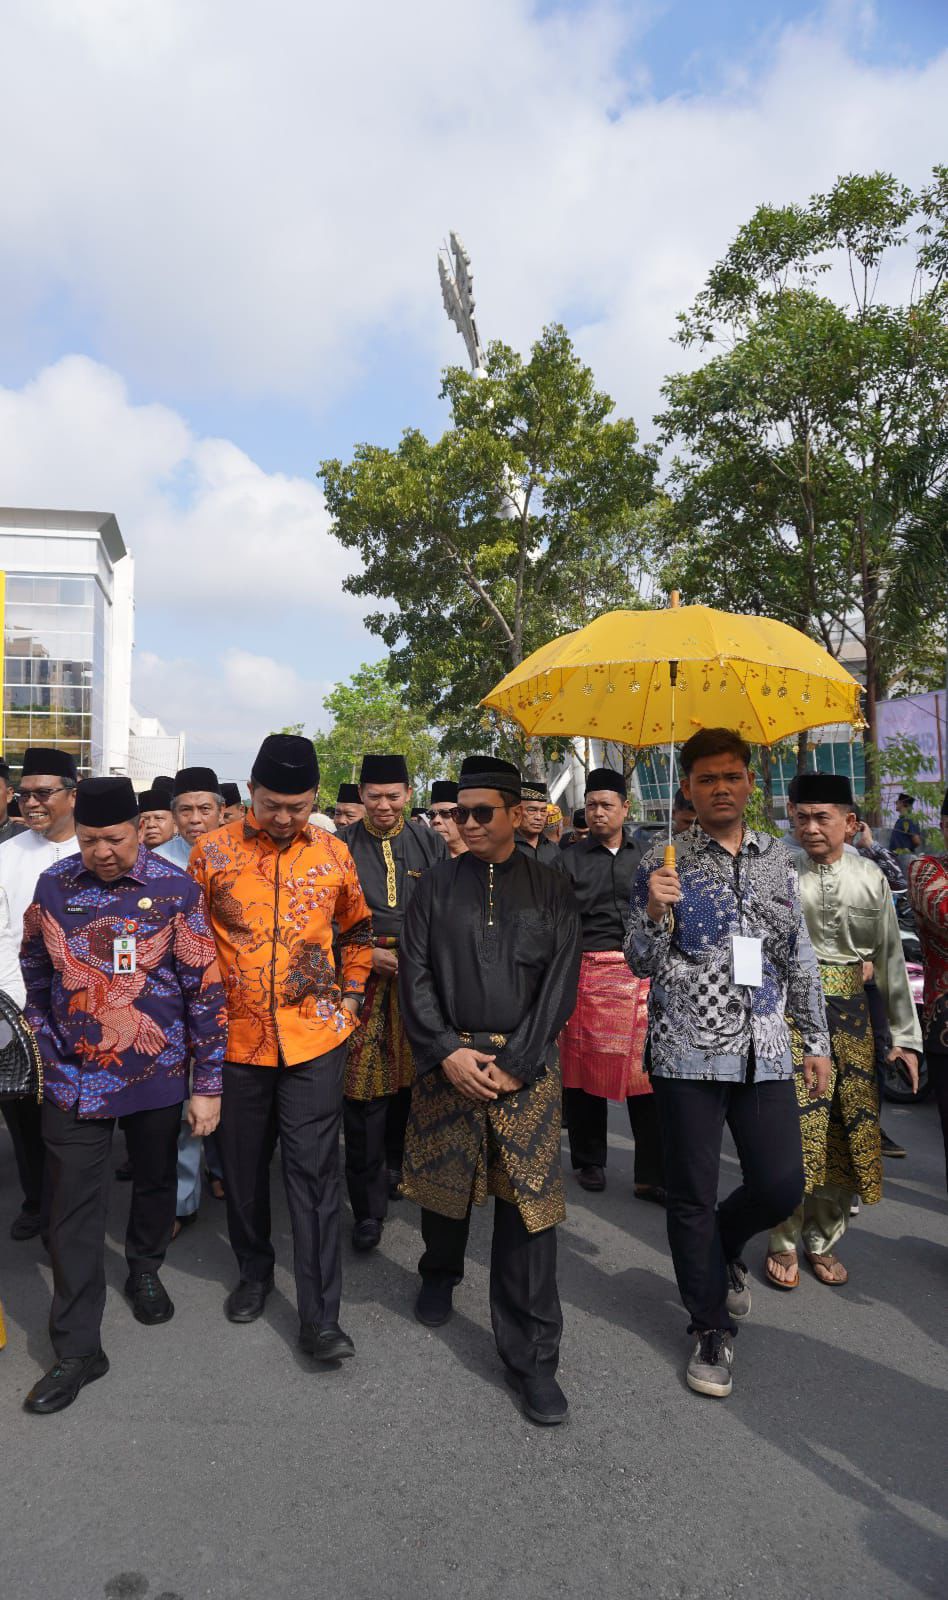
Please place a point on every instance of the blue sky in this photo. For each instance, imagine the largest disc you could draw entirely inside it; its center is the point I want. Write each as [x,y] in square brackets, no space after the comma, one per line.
[220,241]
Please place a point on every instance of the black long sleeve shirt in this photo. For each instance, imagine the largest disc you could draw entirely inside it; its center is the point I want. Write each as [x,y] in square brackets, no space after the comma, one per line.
[478,960]
[414,850]
[602,883]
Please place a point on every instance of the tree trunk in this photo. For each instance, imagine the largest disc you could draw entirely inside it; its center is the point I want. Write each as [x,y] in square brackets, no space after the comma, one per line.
[803,744]
[767,782]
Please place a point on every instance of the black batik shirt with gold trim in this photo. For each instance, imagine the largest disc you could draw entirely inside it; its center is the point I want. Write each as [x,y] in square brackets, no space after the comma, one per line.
[413,849]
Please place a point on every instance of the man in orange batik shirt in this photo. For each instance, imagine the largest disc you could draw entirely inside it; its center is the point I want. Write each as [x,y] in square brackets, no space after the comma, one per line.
[275,887]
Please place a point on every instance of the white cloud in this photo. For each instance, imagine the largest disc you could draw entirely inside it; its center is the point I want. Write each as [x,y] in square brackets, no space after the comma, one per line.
[227,704]
[207,526]
[241,196]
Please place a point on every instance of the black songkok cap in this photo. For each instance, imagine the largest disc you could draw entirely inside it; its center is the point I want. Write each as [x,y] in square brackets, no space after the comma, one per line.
[823,788]
[417,811]
[606,778]
[579,817]
[489,772]
[348,795]
[194,780]
[39,761]
[286,763]
[534,789]
[443,791]
[231,794]
[163,781]
[384,769]
[154,800]
[104,802]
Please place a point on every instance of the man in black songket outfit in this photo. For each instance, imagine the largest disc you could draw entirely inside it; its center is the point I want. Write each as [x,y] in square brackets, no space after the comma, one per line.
[488,970]
[531,838]
[391,855]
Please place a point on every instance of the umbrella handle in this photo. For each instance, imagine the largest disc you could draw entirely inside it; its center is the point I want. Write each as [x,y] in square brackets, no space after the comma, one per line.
[668,859]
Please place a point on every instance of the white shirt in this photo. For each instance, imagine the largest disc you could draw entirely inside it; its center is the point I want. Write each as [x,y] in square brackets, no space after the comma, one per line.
[22,859]
[11,978]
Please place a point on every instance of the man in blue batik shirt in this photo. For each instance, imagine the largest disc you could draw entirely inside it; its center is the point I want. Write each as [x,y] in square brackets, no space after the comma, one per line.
[122,989]
[724,942]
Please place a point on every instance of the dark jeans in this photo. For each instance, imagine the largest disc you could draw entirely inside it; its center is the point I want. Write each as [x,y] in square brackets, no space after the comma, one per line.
[524,1301]
[366,1130]
[587,1117]
[704,1235]
[79,1163]
[24,1123]
[303,1105]
[938,1078]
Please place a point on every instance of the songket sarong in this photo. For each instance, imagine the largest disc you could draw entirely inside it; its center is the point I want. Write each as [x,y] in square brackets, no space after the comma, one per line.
[842,1146]
[379,1060]
[458,1151]
[603,1043]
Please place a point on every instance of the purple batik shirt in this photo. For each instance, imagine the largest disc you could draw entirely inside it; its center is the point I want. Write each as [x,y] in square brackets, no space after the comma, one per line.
[117,1042]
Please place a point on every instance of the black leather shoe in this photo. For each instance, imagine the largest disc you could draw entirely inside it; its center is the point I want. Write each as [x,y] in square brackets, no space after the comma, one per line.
[435,1302]
[25,1226]
[394,1183]
[151,1302]
[246,1302]
[59,1387]
[890,1147]
[367,1234]
[591,1178]
[326,1344]
[541,1399]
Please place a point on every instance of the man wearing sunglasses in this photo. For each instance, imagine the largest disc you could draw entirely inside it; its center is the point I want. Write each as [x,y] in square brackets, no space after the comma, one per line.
[488,969]
[443,815]
[47,799]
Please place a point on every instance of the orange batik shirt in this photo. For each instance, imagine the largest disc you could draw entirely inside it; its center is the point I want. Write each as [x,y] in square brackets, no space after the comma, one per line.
[274,914]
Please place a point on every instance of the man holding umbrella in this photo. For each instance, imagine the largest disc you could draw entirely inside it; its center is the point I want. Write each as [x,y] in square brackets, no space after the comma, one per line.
[723,939]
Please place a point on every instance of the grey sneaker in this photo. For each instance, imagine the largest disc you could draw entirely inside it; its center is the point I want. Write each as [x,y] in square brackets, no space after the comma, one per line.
[709,1370]
[738,1294]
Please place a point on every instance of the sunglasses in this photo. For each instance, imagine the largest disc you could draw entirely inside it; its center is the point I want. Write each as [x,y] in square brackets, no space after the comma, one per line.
[42,795]
[450,813]
[482,815]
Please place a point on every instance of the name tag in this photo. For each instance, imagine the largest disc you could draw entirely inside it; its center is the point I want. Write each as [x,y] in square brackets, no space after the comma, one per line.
[746,961]
[123,954]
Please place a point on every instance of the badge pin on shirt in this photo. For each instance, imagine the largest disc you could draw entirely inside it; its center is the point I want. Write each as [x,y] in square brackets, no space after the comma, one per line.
[123,954]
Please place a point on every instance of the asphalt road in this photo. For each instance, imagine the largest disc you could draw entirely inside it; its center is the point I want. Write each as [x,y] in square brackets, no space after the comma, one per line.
[214,1461]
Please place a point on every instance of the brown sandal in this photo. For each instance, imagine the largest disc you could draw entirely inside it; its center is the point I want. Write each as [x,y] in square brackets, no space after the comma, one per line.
[781,1258]
[827,1261]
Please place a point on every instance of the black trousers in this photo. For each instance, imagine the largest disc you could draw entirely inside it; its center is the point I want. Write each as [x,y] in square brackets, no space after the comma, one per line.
[524,1301]
[938,1078]
[79,1164]
[587,1117]
[24,1123]
[366,1130]
[303,1105]
[396,1123]
[704,1236]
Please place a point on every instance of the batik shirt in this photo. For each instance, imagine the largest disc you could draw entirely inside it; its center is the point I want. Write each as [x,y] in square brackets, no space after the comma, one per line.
[118,1042]
[703,1025]
[928,892]
[273,911]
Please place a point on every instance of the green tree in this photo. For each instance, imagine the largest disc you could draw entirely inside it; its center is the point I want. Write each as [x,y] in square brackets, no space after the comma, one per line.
[816,434]
[368,714]
[525,519]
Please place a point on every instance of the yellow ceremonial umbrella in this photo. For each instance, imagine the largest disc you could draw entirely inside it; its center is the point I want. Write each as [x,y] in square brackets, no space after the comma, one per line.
[648,677]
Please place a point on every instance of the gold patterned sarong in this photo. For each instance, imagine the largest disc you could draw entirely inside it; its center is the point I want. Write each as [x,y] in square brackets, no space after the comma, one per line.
[459,1150]
[379,1060]
[842,1144]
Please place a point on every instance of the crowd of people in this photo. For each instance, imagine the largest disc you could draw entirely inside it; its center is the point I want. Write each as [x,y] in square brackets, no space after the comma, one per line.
[446,988]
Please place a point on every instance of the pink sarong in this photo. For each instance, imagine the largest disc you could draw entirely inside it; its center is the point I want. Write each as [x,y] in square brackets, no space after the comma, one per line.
[602,1045]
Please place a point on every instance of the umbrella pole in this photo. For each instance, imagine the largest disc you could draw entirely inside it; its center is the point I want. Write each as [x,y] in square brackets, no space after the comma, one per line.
[669,856]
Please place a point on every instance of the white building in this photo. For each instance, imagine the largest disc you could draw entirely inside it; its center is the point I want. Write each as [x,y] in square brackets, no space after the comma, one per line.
[68,613]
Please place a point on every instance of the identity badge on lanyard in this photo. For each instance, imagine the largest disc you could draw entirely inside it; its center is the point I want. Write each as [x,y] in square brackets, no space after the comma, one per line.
[123,954]
[746,961]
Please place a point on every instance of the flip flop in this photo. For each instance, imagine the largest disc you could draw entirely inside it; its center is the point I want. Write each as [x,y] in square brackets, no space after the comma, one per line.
[827,1259]
[783,1258]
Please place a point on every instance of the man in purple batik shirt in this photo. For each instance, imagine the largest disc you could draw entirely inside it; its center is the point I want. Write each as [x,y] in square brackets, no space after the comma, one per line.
[123,991]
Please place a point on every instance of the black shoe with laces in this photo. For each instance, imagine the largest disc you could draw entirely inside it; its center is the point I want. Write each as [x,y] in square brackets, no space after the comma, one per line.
[329,1343]
[709,1370]
[59,1387]
[150,1300]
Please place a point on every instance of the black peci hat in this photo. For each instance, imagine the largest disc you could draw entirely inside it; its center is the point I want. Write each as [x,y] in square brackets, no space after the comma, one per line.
[534,789]
[105,802]
[42,761]
[606,778]
[348,795]
[154,800]
[823,788]
[231,794]
[196,780]
[384,769]
[287,764]
[489,772]
[443,792]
